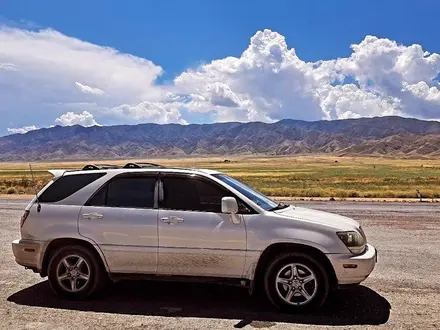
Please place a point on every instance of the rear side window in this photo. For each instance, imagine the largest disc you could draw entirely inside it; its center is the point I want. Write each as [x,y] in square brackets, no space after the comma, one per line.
[130,192]
[66,186]
[183,193]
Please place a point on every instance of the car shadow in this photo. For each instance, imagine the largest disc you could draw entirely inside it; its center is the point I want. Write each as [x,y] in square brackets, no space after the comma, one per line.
[356,306]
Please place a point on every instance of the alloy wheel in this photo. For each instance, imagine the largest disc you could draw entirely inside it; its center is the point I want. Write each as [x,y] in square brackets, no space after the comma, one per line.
[73,273]
[296,284]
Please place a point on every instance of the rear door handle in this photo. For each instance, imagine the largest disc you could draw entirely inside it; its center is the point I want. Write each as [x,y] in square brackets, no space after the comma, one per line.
[93,215]
[171,220]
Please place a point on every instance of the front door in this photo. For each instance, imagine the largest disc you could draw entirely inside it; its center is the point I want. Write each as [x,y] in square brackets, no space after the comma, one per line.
[195,238]
[122,220]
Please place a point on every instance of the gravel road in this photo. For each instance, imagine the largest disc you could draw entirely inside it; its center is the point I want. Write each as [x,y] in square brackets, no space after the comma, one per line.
[403,292]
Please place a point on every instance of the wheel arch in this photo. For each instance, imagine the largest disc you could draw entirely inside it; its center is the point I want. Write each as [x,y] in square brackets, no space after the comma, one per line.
[68,241]
[276,249]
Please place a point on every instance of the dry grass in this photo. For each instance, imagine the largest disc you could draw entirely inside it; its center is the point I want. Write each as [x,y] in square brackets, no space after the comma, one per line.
[302,176]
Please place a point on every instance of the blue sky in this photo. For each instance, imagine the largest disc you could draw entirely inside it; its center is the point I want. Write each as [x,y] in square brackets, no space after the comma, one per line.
[185,36]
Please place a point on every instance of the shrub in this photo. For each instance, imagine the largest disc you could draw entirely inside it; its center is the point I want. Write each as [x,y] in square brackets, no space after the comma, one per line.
[11,190]
[25,182]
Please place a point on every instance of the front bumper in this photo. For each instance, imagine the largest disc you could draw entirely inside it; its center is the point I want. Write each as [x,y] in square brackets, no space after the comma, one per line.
[350,269]
[29,253]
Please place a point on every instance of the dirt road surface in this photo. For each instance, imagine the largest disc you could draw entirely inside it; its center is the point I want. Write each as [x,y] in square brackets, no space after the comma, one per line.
[403,292]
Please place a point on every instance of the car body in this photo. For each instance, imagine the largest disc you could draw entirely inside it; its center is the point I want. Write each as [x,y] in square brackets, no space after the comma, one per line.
[148,221]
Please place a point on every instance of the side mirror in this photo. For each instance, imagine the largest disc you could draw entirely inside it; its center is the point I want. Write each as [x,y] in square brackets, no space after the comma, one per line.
[229,205]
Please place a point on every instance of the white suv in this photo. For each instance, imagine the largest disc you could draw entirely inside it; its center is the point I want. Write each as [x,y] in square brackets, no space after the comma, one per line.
[147,221]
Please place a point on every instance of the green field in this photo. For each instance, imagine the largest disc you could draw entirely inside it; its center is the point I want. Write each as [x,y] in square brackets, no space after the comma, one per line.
[303,176]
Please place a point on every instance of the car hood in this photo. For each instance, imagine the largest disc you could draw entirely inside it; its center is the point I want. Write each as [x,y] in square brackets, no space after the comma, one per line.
[320,217]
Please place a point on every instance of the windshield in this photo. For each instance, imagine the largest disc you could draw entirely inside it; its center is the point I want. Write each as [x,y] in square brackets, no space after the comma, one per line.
[255,196]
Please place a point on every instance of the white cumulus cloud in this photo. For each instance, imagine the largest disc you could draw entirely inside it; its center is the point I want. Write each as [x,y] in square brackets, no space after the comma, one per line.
[22,130]
[348,101]
[153,112]
[270,82]
[84,119]
[8,66]
[89,90]
[383,65]
[56,59]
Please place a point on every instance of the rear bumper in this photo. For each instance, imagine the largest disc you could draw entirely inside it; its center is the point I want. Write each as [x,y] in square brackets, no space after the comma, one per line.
[351,269]
[29,253]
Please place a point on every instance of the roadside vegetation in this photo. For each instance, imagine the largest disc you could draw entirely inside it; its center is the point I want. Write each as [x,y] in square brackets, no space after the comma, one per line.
[302,176]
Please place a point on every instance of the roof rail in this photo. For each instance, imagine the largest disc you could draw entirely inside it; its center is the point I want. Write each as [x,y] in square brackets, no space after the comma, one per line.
[99,167]
[141,165]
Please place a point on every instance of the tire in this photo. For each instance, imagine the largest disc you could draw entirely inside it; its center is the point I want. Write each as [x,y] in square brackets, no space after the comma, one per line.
[282,282]
[66,268]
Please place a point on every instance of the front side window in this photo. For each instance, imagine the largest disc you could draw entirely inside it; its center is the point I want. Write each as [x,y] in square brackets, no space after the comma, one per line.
[255,196]
[192,194]
[130,192]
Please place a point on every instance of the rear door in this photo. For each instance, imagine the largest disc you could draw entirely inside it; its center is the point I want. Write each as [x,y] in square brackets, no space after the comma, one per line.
[122,219]
[195,238]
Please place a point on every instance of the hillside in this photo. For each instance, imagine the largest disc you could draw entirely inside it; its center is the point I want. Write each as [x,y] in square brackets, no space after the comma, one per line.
[394,136]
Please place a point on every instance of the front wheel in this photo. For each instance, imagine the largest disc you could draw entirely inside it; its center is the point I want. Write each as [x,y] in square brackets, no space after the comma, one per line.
[296,282]
[74,272]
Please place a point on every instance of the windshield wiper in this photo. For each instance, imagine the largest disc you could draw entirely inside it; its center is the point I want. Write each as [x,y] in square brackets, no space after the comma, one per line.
[280,206]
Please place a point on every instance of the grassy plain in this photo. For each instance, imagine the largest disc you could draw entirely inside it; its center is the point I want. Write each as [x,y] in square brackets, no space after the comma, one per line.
[301,176]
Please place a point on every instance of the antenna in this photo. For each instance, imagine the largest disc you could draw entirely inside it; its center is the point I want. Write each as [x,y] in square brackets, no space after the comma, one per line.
[36,192]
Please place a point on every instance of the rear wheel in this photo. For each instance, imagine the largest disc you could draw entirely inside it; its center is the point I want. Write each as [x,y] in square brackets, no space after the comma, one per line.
[296,282]
[75,273]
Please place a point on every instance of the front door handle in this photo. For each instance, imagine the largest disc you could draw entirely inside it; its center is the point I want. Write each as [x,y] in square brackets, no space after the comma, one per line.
[171,220]
[93,215]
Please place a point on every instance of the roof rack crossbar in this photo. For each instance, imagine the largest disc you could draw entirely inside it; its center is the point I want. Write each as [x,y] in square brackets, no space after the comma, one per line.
[89,167]
[141,165]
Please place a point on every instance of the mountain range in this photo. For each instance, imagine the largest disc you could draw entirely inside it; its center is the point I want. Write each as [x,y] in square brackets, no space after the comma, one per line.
[394,136]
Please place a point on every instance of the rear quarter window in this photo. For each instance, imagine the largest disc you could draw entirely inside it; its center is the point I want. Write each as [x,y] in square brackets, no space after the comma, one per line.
[66,186]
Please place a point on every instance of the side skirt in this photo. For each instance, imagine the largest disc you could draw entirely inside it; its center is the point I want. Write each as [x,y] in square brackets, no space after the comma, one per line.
[174,278]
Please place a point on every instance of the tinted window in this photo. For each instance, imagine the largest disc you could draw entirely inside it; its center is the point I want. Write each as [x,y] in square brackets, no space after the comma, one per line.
[255,196]
[135,192]
[99,199]
[181,193]
[66,186]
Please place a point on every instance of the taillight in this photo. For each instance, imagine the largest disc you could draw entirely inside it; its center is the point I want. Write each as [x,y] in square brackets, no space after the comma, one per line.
[24,217]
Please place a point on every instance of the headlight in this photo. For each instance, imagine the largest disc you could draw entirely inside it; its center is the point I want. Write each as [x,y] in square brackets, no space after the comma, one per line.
[354,241]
